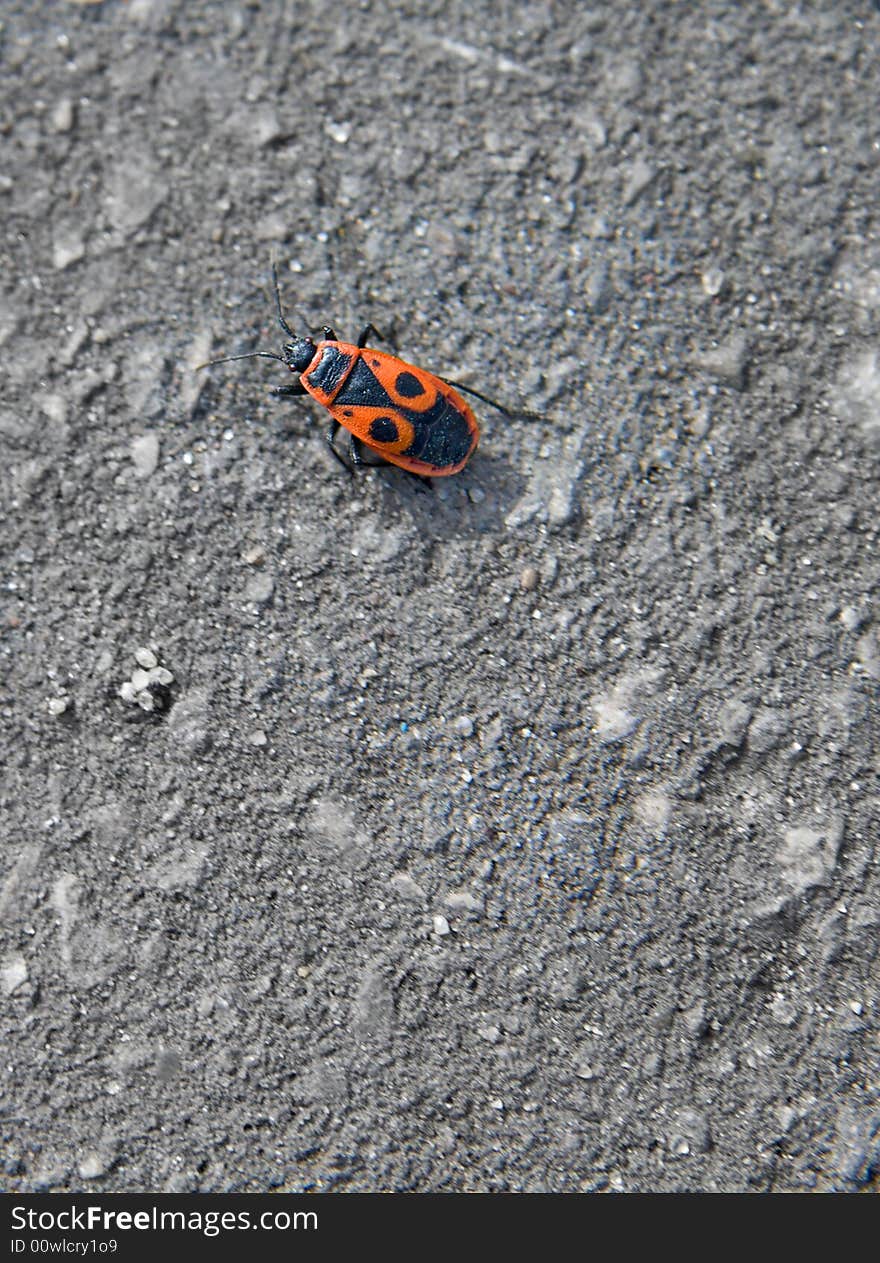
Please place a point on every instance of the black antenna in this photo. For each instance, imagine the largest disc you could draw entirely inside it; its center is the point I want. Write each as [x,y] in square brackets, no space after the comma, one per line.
[284,325]
[254,355]
[251,355]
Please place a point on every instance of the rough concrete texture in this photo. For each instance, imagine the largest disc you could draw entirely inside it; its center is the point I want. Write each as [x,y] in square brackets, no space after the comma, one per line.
[521,835]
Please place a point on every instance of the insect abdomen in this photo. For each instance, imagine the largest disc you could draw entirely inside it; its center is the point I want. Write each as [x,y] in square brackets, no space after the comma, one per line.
[442,435]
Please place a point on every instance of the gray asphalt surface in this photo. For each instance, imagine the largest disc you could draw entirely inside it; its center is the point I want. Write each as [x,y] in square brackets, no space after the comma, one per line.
[518,835]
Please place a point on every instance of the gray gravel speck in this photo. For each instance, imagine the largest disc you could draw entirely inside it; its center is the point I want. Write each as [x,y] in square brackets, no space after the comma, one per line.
[808,854]
[690,1133]
[856,1152]
[639,179]
[63,115]
[188,723]
[68,246]
[145,454]
[13,973]
[134,190]
[728,362]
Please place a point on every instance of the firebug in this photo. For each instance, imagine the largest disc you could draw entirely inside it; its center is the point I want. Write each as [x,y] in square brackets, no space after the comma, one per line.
[407,415]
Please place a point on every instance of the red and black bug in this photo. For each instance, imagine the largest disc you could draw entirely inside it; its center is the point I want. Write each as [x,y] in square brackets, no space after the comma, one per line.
[410,417]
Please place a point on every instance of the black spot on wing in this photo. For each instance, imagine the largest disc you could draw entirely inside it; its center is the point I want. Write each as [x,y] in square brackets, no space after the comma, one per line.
[363,389]
[408,386]
[384,430]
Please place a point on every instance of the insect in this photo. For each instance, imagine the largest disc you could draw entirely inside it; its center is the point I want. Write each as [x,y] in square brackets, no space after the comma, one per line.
[408,416]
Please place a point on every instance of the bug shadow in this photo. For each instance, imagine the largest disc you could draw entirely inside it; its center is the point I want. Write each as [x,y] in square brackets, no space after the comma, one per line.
[473,502]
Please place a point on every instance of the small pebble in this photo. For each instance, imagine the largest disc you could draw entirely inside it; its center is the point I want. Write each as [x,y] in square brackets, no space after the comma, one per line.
[641,176]
[68,247]
[12,974]
[691,1134]
[93,1166]
[340,132]
[441,926]
[783,1011]
[62,117]
[868,654]
[259,588]
[145,454]
[808,855]
[732,722]
[767,730]
[139,690]
[407,886]
[712,281]
[265,127]
[528,580]
[560,508]
[463,901]
[728,363]
[140,679]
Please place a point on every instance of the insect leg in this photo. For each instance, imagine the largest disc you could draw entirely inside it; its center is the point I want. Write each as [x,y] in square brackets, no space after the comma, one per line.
[469,390]
[331,435]
[371,328]
[354,453]
[356,448]
[285,392]
[508,412]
